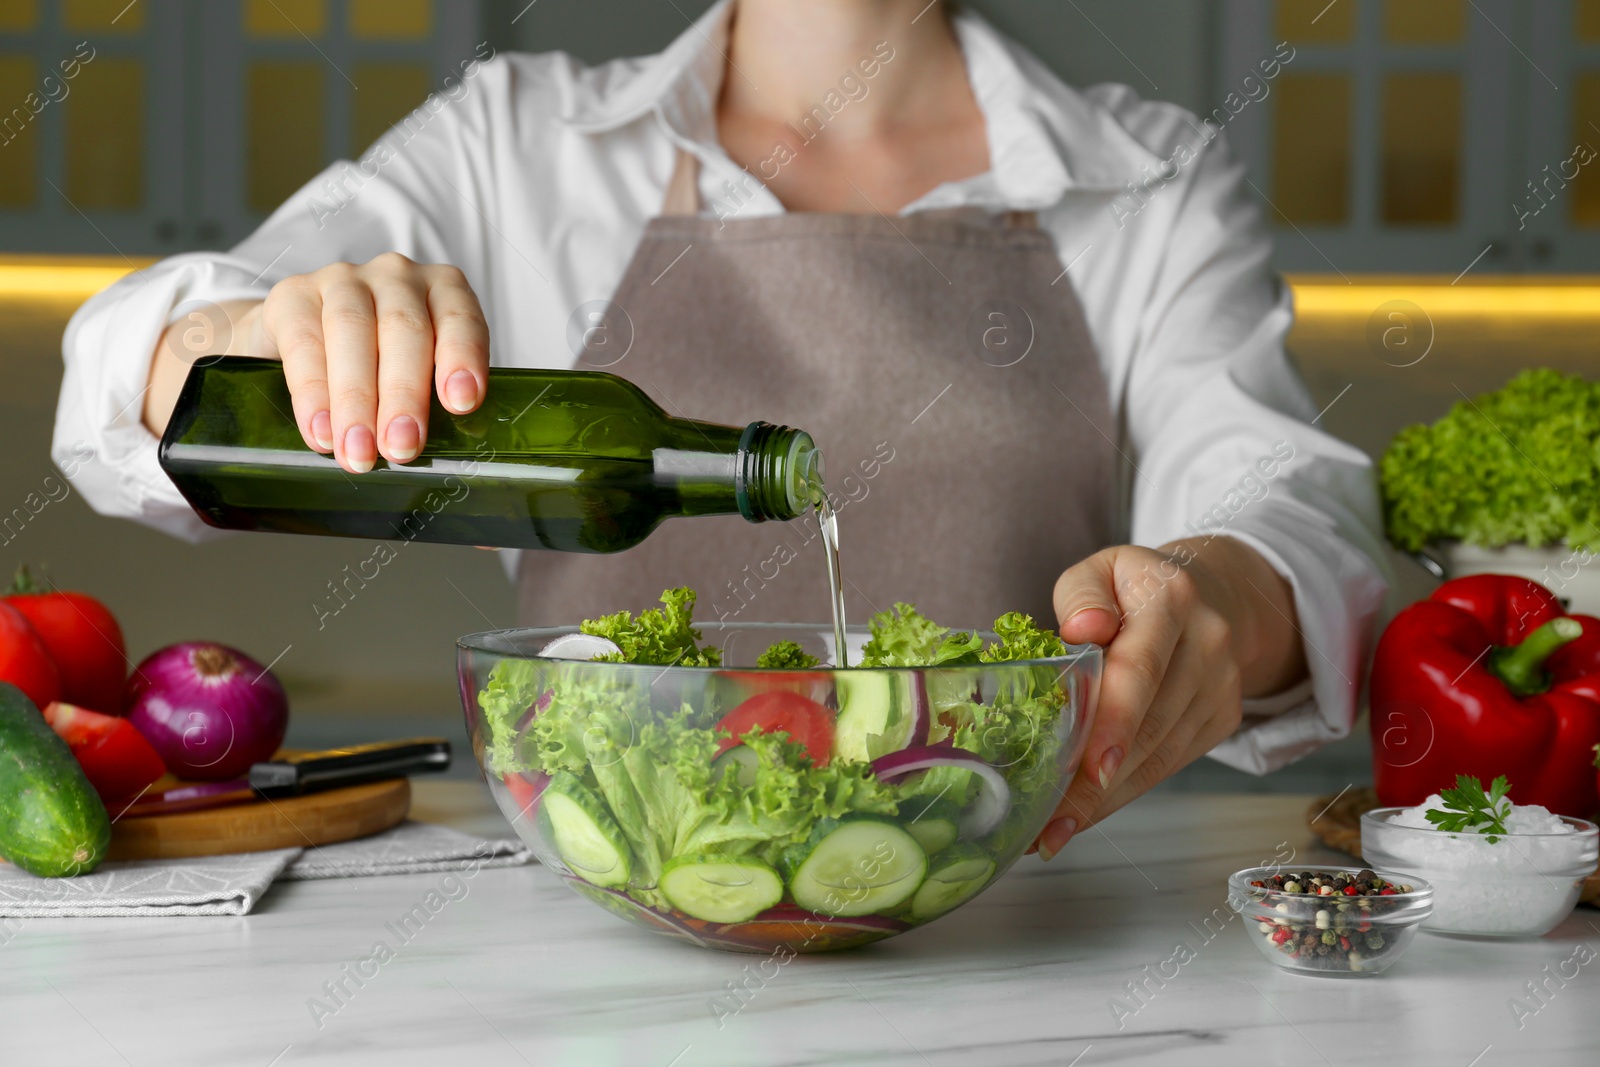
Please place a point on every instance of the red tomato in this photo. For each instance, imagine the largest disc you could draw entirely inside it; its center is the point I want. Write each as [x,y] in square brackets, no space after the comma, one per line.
[115,757]
[24,660]
[813,684]
[526,789]
[804,720]
[83,638]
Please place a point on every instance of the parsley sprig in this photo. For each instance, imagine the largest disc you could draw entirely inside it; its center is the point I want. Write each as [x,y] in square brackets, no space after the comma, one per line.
[1470,810]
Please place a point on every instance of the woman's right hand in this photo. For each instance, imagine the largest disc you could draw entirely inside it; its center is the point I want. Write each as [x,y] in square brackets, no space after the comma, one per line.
[362,346]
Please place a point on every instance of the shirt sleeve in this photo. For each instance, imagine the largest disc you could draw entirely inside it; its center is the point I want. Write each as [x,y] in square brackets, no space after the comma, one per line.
[1225,443]
[414,192]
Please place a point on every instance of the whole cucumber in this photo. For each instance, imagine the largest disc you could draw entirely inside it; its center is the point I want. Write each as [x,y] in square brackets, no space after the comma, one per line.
[52,823]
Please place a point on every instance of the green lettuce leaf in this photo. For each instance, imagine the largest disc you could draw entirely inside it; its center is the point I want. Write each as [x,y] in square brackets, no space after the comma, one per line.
[1521,464]
[786,655]
[663,636]
[1021,639]
[511,690]
[902,637]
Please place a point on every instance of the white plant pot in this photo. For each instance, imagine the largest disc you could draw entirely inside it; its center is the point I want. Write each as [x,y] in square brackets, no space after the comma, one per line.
[1573,574]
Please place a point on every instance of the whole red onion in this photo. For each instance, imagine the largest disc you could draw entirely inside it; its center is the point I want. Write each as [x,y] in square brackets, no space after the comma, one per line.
[209,710]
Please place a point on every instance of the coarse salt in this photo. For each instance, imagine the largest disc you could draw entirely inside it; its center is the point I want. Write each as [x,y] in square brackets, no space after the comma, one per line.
[1523,819]
[1521,882]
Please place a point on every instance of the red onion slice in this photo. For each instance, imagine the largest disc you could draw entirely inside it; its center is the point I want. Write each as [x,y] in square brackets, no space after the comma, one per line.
[985,813]
[921,712]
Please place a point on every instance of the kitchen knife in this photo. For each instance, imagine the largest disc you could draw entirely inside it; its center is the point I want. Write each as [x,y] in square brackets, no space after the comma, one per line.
[292,774]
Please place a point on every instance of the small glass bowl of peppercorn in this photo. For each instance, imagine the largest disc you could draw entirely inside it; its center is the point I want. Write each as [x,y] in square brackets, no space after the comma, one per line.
[1330,921]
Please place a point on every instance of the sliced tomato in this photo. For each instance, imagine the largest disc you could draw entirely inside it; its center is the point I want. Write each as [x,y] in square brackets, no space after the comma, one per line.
[24,660]
[816,685]
[82,637]
[525,789]
[115,757]
[803,719]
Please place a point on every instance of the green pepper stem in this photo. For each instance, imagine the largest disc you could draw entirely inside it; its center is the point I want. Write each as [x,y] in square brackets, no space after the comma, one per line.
[1521,667]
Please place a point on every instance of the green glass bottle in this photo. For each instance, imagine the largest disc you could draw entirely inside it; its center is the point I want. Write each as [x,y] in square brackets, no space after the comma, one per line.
[577,461]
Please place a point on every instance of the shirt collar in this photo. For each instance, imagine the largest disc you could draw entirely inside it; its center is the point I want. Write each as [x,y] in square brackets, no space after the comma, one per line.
[1045,138]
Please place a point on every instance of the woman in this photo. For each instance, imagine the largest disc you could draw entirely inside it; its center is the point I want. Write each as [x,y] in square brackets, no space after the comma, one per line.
[1036,327]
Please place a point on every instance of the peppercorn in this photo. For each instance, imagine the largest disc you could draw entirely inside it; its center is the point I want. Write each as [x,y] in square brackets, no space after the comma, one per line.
[1339,935]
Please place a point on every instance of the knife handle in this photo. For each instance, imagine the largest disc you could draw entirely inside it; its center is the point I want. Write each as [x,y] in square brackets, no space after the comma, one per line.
[289,776]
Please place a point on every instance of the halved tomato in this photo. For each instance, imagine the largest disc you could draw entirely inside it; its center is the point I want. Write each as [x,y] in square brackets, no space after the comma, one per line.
[803,719]
[115,757]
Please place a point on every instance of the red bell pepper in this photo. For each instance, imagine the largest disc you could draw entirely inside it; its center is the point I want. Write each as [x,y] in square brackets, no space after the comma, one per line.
[1488,676]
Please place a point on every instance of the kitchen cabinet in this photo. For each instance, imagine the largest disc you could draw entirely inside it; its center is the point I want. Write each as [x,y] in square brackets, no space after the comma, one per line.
[189,121]
[1411,135]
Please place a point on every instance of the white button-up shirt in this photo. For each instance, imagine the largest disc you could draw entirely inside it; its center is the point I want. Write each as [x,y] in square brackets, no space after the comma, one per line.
[536,175]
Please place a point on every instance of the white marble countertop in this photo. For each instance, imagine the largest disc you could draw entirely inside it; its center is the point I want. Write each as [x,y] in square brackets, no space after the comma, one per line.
[518,969]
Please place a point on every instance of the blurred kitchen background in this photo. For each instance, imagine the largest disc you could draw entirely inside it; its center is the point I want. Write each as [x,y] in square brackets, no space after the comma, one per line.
[1411,150]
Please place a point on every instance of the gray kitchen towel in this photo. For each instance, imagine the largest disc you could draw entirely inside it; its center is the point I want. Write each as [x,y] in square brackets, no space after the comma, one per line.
[231,885]
[410,848]
[204,885]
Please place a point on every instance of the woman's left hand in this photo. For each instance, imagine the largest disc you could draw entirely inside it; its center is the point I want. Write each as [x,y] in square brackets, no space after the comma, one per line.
[1189,630]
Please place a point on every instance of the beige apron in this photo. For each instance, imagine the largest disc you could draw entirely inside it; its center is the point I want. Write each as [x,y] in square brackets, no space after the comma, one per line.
[942,363]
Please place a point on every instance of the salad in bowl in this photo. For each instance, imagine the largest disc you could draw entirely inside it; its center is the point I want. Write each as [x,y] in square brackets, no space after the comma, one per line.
[725,785]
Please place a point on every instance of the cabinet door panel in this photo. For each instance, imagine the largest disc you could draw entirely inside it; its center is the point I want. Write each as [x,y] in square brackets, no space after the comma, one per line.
[1557,200]
[91,142]
[1382,145]
[289,89]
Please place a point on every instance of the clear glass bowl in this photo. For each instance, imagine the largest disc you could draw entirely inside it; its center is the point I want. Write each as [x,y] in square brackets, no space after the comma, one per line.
[1522,885]
[616,776]
[1368,933]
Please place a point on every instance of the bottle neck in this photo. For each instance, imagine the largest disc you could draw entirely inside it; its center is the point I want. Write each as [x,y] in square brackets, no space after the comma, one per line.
[778,474]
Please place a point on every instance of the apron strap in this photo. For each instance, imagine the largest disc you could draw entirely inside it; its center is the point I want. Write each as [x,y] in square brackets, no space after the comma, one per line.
[683,188]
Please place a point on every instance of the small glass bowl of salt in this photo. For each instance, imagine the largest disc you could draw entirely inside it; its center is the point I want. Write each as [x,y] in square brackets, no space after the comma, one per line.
[1521,883]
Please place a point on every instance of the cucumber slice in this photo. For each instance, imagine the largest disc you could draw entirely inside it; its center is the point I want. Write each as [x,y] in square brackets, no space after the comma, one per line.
[873,717]
[954,877]
[583,832]
[932,820]
[720,889]
[857,868]
[739,761]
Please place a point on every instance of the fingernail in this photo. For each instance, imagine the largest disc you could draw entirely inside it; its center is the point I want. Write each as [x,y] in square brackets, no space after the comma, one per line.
[1056,836]
[461,391]
[322,431]
[404,438]
[1108,766]
[360,450]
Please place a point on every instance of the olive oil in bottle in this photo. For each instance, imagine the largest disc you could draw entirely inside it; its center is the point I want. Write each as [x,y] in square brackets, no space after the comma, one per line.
[576,461]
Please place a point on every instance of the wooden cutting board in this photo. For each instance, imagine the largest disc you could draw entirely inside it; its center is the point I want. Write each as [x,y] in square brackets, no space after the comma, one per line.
[1337,821]
[291,822]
